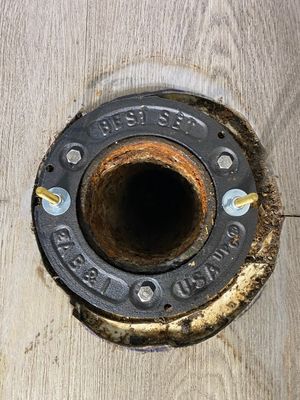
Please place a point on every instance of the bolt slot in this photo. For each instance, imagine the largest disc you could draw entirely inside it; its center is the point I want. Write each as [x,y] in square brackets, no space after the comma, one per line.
[145,204]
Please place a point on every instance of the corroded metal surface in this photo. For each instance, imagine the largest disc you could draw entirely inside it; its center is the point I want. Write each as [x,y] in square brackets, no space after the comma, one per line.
[104,192]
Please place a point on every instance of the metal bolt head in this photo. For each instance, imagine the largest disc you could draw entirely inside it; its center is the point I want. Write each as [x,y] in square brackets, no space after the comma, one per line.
[73,156]
[225,161]
[145,293]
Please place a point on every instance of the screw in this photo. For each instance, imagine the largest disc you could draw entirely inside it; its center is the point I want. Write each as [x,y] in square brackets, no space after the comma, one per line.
[145,293]
[73,156]
[45,194]
[224,161]
[244,200]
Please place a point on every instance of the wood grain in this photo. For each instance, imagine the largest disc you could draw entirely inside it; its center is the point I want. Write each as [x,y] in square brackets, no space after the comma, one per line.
[57,58]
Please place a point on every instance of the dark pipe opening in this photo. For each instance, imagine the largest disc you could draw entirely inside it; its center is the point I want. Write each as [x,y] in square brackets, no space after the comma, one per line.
[156,211]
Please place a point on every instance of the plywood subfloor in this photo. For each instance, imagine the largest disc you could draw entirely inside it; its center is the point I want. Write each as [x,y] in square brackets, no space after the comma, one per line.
[59,57]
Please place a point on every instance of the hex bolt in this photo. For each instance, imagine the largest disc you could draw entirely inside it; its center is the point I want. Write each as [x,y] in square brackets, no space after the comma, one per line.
[73,156]
[145,293]
[55,201]
[225,161]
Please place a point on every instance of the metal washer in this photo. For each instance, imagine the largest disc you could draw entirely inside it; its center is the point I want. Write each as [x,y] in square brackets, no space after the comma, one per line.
[228,203]
[62,206]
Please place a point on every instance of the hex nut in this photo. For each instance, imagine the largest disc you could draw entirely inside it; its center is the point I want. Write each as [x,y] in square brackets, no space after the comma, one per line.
[225,161]
[73,156]
[145,293]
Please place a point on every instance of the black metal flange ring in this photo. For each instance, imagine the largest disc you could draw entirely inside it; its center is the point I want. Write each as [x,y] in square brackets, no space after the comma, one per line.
[106,286]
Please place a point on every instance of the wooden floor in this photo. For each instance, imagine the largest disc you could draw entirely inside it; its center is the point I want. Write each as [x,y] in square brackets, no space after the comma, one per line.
[60,57]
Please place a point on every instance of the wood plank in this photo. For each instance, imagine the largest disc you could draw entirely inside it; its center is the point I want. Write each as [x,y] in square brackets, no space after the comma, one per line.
[56,56]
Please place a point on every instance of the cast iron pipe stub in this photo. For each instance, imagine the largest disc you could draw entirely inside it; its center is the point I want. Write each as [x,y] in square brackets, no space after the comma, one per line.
[146,247]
